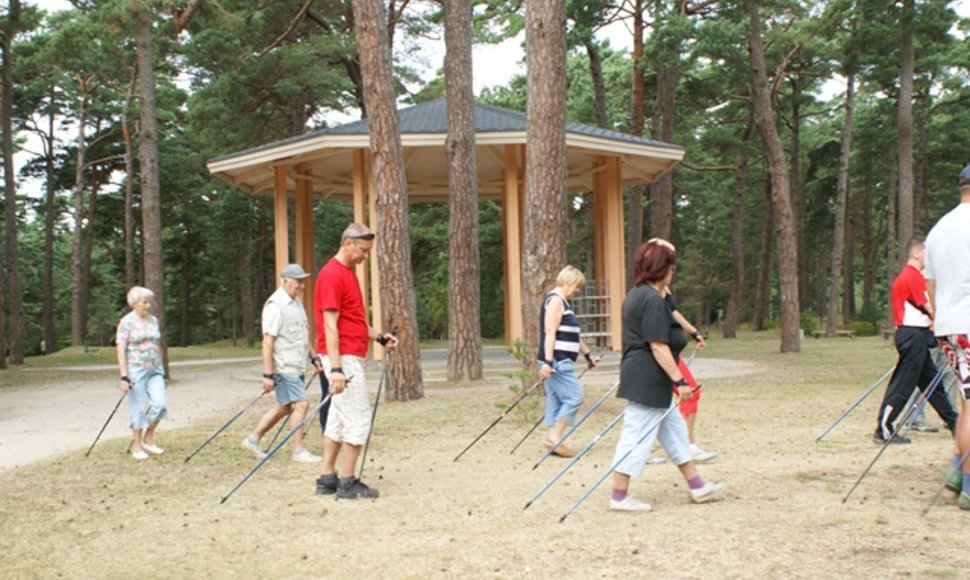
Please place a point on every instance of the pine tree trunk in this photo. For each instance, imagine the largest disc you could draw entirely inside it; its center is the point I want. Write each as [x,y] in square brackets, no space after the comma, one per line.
[151,208]
[464,293]
[662,191]
[16,302]
[891,245]
[599,87]
[761,290]
[634,212]
[49,219]
[781,200]
[841,203]
[544,244]
[848,277]
[869,243]
[404,380]
[795,184]
[729,326]
[78,326]
[904,124]
[131,268]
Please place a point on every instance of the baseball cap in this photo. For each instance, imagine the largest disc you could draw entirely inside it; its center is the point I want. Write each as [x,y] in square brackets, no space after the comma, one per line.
[294,271]
[965,176]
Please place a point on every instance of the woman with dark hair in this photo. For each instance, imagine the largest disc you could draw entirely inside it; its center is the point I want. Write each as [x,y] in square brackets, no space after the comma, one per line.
[652,383]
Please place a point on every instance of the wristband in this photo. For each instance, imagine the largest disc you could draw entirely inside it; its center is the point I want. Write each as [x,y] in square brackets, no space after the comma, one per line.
[696,335]
[126,379]
[337,370]
[382,339]
[680,383]
[268,376]
[589,356]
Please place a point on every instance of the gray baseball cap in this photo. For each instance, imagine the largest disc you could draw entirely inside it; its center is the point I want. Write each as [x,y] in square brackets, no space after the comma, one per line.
[294,271]
[965,176]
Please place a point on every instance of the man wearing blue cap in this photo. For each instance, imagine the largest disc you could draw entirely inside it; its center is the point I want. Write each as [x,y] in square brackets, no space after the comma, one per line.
[286,351]
[948,285]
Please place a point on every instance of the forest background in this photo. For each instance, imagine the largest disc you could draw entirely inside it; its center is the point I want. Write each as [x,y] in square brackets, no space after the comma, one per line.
[869,99]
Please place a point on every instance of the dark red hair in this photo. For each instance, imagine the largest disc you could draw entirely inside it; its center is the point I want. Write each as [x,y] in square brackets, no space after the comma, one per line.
[652,262]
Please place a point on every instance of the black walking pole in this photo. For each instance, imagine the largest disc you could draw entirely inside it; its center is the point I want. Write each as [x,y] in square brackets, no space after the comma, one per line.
[105,426]
[856,403]
[224,427]
[272,452]
[573,461]
[536,426]
[524,394]
[373,415]
[578,423]
[617,463]
[906,421]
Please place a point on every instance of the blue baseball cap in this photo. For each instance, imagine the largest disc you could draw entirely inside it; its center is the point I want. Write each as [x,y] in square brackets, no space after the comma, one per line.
[965,176]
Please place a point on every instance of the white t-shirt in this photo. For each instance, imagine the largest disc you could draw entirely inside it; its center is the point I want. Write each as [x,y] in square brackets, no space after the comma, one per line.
[948,266]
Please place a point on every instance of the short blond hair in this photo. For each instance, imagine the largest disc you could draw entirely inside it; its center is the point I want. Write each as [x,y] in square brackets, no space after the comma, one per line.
[570,276]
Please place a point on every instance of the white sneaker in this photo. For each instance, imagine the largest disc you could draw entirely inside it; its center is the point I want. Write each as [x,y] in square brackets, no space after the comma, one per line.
[253,446]
[628,504]
[155,449]
[304,456]
[656,460]
[701,455]
[139,455]
[709,492]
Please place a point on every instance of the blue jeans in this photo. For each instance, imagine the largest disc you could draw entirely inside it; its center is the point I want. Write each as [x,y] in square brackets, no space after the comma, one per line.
[146,397]
[564,395]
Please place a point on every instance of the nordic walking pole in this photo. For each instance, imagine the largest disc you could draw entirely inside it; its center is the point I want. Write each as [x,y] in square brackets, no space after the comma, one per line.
[578,423]
[105,426]
[579,455]
[536,426]
[224,427]
[285,420]
[939,492]
[524,394]
[907,421]
[279,445]
[617,463]
[856,403]
[373,415]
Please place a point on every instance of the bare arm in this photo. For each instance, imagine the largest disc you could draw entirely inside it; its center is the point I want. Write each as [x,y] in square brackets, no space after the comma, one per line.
[122,367]
[553,318]
[690,329]
[267,351]
[338,381]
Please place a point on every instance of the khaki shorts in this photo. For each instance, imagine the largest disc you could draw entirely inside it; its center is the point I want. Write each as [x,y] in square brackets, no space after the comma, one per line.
[350,411]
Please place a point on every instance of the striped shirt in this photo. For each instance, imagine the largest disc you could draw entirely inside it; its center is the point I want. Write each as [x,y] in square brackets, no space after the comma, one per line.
[567,334]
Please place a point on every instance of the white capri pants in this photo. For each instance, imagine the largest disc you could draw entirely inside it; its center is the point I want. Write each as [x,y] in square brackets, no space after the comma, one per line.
[637,420]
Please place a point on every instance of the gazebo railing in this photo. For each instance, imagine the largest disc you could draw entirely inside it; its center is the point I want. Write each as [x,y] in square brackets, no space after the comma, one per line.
[592,306]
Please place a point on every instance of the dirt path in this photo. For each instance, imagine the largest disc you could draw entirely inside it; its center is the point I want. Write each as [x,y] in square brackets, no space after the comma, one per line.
[39,422]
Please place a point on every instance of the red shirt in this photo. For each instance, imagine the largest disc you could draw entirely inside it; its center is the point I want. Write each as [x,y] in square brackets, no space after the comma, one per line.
[908,298]
[337,289]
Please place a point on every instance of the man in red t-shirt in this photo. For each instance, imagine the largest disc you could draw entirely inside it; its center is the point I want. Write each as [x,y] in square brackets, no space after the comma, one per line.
[913,317]
[343,337]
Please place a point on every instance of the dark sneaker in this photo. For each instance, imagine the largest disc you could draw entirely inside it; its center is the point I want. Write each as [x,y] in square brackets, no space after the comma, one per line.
[327,484]
[352,488]
[925,428]
[964,501]
[878,439]
[954,479]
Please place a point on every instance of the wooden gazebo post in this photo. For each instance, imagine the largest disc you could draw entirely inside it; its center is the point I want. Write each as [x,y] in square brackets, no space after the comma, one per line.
[512,238]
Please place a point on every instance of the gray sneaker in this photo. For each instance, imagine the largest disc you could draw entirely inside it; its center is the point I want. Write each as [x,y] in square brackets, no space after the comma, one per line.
[249,444]
[327,484]
[352,488]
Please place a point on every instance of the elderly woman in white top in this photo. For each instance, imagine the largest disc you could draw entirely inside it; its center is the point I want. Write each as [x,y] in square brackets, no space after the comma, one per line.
[142,371]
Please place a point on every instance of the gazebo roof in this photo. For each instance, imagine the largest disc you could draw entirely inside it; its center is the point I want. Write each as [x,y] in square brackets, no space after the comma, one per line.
[327,155]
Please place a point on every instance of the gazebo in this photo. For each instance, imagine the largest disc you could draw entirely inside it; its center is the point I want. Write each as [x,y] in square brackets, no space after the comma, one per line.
[333,164]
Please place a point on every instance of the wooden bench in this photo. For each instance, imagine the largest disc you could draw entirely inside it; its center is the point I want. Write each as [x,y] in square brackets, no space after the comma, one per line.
[821,333]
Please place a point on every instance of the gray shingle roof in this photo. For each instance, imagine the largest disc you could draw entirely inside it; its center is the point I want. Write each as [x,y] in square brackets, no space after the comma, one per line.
[431,118]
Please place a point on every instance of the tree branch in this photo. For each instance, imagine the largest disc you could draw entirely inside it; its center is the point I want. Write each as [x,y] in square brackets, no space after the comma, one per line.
[296,19]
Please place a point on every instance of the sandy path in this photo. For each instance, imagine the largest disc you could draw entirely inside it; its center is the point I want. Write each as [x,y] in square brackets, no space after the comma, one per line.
[39,422]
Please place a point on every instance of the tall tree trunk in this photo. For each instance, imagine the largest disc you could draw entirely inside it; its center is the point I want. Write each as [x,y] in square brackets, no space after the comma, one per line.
[841,203]
[729,326]
[904,122]
[781,200]
[891,238]
[596,76]
[131,271]
[544,244]
[404,380]
[848,292]
[78,326]
[795,183]
[920,186]
[664,112]
[151,198]
[49,219]
[87,244]
[762,296]
[16,302]
[464,287]
[634,213]
[870,245]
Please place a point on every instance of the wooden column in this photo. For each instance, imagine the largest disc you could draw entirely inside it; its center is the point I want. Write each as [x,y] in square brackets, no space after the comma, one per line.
[512,244]
[376,314]
[281,228]
[303,216]
[614,266]
[599,223]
